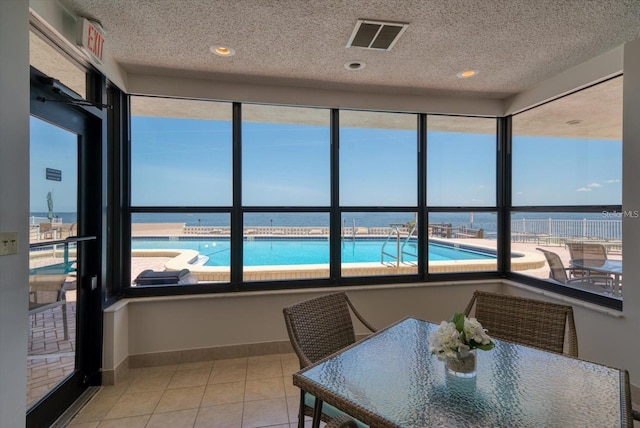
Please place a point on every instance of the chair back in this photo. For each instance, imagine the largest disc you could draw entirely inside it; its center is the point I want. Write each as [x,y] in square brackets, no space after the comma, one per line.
[587,251]
[527,321]
[319,327]
[557,270]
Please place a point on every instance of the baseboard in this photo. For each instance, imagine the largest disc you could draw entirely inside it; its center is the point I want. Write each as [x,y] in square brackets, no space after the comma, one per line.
[111,377]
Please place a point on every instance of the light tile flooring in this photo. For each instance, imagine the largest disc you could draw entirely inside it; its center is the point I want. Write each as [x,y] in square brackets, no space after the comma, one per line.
[241,392]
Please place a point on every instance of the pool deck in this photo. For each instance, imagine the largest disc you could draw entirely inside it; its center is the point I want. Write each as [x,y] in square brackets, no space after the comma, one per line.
[532,261]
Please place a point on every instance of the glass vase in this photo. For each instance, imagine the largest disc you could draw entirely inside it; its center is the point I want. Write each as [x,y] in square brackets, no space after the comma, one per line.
[463,365]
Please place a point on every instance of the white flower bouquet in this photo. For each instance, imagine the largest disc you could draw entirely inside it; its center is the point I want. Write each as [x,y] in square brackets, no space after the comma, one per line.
[458,336]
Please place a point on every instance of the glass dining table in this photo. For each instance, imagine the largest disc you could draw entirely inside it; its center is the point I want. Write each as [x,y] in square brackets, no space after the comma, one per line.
[390,379]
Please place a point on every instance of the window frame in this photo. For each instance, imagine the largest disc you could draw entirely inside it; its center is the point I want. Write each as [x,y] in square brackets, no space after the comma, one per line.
[503,208]
[507,161]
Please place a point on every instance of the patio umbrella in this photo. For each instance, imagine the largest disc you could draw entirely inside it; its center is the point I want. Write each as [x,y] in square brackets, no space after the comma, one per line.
[50,214]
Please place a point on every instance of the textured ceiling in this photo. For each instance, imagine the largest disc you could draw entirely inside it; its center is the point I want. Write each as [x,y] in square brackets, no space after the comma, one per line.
[514,44]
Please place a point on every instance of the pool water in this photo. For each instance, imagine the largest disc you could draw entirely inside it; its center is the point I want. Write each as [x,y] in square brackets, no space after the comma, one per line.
[264,252]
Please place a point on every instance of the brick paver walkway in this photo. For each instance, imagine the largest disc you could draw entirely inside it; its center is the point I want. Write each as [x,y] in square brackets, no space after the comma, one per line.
[50,357]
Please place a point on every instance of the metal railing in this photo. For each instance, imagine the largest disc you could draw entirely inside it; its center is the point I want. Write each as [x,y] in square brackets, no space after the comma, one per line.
[561,228]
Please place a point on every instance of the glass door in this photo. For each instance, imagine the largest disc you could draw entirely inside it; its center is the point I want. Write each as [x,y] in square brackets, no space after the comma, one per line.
[64,334]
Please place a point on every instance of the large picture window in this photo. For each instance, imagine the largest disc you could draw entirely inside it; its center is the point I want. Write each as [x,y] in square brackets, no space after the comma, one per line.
[567,189]
[256,196]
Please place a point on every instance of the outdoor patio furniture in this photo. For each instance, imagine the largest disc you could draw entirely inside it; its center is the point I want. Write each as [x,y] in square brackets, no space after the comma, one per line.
[317,328]
[150,277]
[562,274]
[526,321]
[586,251]
[48,292]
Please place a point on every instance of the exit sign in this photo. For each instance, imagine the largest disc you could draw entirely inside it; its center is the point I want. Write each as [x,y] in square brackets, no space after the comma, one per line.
[91,38]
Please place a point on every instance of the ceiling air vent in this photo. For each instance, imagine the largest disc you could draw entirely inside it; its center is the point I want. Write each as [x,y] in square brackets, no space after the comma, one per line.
[376,35]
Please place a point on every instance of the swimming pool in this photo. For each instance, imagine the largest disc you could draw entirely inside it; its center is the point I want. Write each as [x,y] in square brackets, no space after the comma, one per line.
[266,251]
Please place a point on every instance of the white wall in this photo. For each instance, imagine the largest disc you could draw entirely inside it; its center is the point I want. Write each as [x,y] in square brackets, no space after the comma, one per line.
[202,321]
[597,69]
[60,21]
[14,208]
[628,345]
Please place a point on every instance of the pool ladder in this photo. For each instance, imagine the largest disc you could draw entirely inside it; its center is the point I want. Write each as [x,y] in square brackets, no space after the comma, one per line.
[395,236]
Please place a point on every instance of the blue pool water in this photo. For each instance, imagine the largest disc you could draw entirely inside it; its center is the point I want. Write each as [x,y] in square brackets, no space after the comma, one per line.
[263,252]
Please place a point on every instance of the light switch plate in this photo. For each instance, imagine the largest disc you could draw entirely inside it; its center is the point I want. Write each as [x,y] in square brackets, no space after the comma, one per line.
[8,243]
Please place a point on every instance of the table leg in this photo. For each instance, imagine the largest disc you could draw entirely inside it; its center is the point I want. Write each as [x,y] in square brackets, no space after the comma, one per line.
[301,410]
[317,412]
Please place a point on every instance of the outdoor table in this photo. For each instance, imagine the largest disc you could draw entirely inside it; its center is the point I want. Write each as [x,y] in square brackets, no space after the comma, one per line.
[390,379]
[607,267]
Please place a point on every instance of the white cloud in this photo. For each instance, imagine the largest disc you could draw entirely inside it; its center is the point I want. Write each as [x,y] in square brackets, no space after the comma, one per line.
[612,181]
[583,189]
[594,185]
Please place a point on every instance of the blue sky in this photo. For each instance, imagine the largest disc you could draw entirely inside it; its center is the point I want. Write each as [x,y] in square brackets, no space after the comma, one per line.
[53,147]
[188,162]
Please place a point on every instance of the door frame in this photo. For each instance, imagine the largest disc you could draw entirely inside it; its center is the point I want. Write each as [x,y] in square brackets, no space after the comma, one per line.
[50,104]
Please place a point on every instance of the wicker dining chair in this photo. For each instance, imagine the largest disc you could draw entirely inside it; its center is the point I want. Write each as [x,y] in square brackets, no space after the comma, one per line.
[317,328]
[341,421]
[526,321]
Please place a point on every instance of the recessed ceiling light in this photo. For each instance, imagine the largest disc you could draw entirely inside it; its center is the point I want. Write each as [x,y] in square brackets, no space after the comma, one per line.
[467,73]
[573,122]
[222,50]
[355,65]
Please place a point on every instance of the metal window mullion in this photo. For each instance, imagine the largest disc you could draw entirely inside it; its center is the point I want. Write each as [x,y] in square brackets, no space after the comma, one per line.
[504,186]
[335,258]
[423,241]
[236,263]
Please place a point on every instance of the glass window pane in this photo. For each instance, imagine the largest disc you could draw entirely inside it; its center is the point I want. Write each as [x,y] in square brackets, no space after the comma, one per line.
[181,152]
[461,161]
[378,159]
[379,243]
[53,182]
[54,64]
[569,151]
[282,246]
[285,156]
[53,193]
[463,242]
[566,240]
[172,242]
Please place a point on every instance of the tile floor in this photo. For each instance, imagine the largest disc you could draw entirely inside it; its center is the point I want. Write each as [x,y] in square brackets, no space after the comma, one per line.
[242,392]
